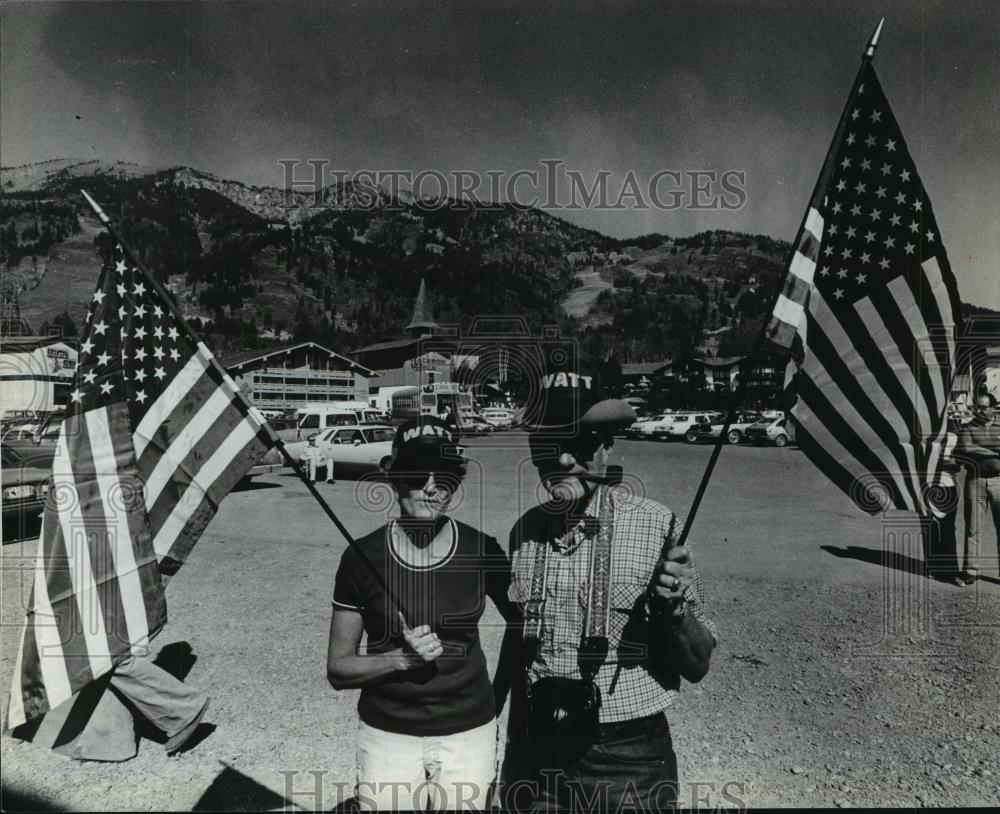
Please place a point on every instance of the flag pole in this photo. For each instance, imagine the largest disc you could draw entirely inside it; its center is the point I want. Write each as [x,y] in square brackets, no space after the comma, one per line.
[273,438]
[746,362]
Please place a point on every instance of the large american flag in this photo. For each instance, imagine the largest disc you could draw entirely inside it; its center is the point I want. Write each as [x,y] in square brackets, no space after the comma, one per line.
[872,299]
[155,435]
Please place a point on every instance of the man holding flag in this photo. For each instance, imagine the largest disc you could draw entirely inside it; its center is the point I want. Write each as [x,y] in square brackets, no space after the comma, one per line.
[155,435]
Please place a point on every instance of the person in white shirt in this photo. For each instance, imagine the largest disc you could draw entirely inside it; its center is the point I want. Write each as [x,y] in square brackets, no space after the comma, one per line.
[314,459]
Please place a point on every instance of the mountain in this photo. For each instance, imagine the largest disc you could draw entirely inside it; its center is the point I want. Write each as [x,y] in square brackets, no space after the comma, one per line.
[343,266]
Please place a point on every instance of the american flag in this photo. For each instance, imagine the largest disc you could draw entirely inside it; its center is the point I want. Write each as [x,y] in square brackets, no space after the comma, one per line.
[872,298]
[155,435]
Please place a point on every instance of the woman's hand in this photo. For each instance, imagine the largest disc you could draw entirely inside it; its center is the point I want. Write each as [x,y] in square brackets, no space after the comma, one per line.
[420,645]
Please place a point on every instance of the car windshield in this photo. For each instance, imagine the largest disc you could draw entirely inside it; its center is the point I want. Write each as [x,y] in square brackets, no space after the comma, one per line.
[10,458]
[380,434]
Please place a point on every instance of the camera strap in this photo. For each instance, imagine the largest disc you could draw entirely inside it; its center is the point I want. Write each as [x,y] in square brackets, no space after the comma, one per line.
[593,650]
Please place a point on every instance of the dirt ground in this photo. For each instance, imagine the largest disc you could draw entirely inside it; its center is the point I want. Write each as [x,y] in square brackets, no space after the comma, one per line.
[841,678]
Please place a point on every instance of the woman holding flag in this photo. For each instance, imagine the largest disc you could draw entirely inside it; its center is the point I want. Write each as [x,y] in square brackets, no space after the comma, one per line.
[416,587]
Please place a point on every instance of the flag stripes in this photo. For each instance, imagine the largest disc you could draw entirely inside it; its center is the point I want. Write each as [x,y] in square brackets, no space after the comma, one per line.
[873,375]
[155,436]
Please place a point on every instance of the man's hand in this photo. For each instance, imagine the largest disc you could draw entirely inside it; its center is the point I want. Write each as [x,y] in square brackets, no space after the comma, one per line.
[672,575]
[420,645]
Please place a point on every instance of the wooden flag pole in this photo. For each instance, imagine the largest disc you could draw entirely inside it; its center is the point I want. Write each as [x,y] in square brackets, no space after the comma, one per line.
[746,362]
[273,438]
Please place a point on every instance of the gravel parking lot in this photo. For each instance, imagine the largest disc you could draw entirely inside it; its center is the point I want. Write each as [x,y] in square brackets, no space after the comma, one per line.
[841,679]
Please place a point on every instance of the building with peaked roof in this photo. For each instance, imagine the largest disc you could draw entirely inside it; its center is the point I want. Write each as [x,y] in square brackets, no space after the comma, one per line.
[425,356]
[299,374]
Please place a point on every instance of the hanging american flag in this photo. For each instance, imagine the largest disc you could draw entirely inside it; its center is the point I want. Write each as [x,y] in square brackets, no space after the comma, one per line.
[155,435]
[871,297]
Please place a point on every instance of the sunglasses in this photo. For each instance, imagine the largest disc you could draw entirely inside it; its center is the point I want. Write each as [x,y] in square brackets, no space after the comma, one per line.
[583,446]
[443,481]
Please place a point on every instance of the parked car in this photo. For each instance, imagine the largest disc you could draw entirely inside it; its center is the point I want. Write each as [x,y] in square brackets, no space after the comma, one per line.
[353,450]
[709,432]
[476,424]
[679,425]
[35,444]
[24,491]
[498,416]
[643,427]
[770,431]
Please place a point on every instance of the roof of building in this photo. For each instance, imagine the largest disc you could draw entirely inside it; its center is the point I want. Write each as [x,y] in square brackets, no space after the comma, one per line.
[23,344]
[240,358]
[643,368]
[422,316]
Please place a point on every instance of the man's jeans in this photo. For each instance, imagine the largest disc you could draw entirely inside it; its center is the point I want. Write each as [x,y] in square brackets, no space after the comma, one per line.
[978,493]
[631,767]
[398,772]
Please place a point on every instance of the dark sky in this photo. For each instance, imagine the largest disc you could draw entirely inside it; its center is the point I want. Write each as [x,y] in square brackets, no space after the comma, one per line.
[752,87]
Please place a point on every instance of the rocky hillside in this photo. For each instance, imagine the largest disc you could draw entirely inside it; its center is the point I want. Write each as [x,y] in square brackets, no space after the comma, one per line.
[342,267]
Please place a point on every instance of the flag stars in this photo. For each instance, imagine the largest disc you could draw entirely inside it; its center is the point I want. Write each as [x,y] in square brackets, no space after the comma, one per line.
[880,192]
[140,396]
[876,116]
[100,327]
[862,277]
[876,214]
[121,290]
[122,311]
[908,248]
[856,210]
[172,333]
[828,250]
[140,311]
[890,145]
[174,354]
[140,353]
[824,270]
[845,163]
[158,332]
[157,311]
[106,388]
[139,289]
[890,242]
[158,352]
[842,273]
[884,263]
[886,169]
[833,228]
[846,254]
[839,293]
[870,141]
[120,266]
[140,375]
[87,346]
[894,220]
[851,231]
[841,185]
[159,373]
[103,359]
[905,175]
[855,113]
[89,376]
[836,208]
[918,205]
[860,188]
[76,395]
[99,296]
[901,199]
[851,138]
[915,227]
[869,236]
[866,165]
[865,258]
[930,236]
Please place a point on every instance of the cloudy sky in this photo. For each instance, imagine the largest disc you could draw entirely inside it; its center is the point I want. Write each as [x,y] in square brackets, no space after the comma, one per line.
[751,87]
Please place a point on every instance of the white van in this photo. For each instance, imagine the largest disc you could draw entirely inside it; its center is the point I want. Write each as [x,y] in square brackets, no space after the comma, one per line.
[313,419]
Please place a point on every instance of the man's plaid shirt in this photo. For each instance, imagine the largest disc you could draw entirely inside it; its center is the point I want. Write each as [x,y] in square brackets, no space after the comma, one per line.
[631,687]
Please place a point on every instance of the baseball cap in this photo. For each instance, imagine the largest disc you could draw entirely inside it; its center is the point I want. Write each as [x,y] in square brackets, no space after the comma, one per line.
[426,444]
[568,401]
